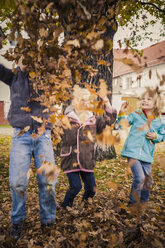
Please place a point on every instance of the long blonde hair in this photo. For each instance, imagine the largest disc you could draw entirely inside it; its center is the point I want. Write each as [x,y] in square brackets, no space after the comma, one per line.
[156,95]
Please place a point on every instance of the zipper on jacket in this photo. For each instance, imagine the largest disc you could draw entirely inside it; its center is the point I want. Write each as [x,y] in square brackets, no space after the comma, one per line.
[141,148]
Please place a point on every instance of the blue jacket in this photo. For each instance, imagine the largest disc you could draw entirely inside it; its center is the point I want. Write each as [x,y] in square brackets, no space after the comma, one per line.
[22,95]
[137,145]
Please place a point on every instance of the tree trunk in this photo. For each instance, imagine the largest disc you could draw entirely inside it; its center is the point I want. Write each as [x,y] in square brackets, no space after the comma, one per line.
[105,73]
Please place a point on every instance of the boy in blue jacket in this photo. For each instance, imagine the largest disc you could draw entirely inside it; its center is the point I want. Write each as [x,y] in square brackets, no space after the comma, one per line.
[24,146]
[147,129]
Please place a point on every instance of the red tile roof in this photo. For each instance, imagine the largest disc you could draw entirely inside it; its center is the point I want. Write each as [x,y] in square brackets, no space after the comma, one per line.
[125,62]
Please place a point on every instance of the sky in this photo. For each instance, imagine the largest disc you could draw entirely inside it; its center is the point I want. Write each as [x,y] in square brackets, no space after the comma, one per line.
[126,32]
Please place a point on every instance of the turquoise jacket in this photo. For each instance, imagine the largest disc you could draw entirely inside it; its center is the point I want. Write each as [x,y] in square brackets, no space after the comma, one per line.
[137,145]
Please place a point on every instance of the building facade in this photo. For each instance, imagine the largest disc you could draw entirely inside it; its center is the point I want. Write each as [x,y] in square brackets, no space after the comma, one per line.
[132,73]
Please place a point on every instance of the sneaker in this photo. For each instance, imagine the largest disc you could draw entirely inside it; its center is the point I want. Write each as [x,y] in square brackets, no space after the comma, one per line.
[16,231]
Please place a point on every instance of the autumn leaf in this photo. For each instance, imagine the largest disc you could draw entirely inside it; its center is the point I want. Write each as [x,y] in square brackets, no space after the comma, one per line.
[27,109]
[124,124]
[112,185]
[93,35]
[106,137]
[74,43]
[29,174]
[90,136]
[32,75]
[38,119]
[130,63]
[26,129]
[144,127]
[98,45]
[150,73]
[50,170]
[66,122]
[103,89]
[75,164]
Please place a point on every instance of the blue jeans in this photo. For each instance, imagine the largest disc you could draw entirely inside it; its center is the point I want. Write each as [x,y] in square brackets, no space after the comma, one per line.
[75,186]
[142,181]
[22,149]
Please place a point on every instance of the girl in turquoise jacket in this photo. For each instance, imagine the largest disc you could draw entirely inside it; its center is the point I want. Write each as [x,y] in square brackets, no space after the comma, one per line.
[147,128]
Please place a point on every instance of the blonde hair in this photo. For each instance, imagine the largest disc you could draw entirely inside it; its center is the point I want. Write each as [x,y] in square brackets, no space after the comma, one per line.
[156,95]
[80,94]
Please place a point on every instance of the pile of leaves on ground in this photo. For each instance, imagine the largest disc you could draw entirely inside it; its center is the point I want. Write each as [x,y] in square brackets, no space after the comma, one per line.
[105,221]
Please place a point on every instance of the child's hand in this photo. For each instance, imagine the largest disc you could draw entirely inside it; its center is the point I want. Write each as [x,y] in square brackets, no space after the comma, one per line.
[124,107]
[151,136]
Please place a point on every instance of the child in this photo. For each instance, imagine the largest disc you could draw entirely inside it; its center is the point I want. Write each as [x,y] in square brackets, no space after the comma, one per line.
[147,128]
[78,144]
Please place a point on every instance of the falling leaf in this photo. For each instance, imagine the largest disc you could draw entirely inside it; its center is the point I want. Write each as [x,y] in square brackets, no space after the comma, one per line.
[75,164]
[41,129]
[90,137]
[49,5]
[105,138]
[37,119]
[150,74]
[76,151]
[144,127]
[51,171]
[32,74]
[93,35]
[98,45]
[66,122]
[130,63]
[26,129]
[124,124]
[103,89]
[88,15]
[27,109]
[74,43]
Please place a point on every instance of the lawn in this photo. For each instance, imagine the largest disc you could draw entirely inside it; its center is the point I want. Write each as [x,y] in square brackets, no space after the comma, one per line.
[105,221]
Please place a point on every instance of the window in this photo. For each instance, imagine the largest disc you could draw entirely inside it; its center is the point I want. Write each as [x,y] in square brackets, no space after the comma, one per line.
[128,82]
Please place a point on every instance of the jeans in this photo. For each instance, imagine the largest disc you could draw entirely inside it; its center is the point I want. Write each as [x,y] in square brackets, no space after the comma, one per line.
[142,181]
[75,186]
[22,149]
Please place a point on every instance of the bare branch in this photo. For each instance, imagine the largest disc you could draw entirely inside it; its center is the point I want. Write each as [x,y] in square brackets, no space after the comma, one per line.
[154,5]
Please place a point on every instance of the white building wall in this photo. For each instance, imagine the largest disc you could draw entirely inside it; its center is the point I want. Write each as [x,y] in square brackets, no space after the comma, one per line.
[146,79]
[134,83]
[4,89]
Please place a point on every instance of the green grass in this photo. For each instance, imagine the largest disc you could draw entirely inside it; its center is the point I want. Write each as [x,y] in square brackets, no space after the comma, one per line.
[5,126]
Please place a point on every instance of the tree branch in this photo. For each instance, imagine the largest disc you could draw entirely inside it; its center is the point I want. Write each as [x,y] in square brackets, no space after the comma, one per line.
[152,4]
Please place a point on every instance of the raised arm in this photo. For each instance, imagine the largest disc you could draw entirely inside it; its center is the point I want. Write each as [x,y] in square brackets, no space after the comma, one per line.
[108,119]
[6,75]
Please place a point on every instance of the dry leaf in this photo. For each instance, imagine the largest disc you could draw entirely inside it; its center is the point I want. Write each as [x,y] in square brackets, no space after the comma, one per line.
[29,174]
[98,45]
[27,109]
[130,63]
[106,137]
[73,43]
[90,137]
[66,122]
[75,164]
[112,185]
[145,127]
[103,89]
[38,119]
[51,171]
